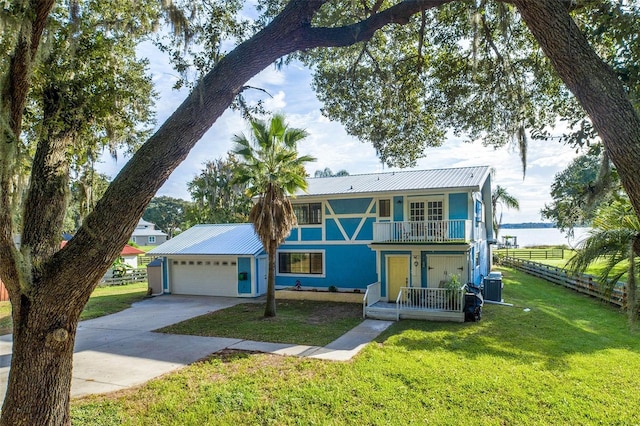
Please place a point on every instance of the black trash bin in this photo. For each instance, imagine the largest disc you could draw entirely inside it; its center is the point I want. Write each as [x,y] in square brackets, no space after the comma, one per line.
[473,303]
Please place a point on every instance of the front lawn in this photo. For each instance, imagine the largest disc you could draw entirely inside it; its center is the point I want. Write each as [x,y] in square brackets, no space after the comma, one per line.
[302,322]
[104,301]
[555,357]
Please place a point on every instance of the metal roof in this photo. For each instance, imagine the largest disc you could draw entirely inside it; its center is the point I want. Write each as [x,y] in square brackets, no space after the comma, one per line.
[471,178]
[145,232]
[218,239]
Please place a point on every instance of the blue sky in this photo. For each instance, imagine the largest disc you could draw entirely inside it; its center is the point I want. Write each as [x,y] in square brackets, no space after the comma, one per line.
[327,141]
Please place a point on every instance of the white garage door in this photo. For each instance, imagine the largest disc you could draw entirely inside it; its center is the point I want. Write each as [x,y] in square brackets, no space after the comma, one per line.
[205,277]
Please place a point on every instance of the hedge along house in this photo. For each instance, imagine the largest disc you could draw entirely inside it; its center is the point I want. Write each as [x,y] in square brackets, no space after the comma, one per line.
[409,229]
[214,260]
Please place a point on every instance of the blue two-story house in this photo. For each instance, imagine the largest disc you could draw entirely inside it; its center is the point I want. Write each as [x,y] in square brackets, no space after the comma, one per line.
[401,237]
[401,229]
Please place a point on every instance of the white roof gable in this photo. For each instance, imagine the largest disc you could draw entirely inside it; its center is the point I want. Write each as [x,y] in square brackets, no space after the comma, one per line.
[467,178]
[219,239]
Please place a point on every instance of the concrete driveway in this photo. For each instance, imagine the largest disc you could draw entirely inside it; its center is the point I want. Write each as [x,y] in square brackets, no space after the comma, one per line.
[120,350]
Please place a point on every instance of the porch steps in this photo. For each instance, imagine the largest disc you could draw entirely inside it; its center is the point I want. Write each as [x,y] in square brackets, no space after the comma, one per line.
[389,313]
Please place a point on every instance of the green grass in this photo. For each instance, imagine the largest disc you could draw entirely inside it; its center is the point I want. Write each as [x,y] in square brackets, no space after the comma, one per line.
[555,357]
[111,299]
[594,269]
[104,301]
[298,321]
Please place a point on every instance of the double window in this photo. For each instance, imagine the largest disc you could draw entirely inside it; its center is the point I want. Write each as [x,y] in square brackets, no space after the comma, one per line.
[300,263]
[308,213]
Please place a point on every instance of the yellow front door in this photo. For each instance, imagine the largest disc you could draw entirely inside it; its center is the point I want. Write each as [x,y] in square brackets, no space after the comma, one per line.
[397,275]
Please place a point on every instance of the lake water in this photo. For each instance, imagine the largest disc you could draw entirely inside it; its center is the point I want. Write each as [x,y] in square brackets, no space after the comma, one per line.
[528,237]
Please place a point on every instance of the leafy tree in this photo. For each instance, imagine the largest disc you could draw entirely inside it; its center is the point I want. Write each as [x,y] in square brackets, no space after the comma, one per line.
[327,172]
[48,287]
[615,240]
[216,197]
[501,197]
[86,190]
[272,171]
[167,213]
[579,190]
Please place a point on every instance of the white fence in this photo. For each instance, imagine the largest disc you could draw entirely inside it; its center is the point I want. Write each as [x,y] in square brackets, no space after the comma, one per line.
[131,276]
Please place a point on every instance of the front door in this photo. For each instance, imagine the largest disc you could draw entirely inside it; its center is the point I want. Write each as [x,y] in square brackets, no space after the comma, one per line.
[263,270]
[441,268]
[397,275]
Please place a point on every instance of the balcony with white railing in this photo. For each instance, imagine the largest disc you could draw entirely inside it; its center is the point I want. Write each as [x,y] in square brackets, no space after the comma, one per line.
[430,231]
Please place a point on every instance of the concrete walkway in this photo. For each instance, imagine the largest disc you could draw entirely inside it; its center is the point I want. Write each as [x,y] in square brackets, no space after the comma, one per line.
[120,350]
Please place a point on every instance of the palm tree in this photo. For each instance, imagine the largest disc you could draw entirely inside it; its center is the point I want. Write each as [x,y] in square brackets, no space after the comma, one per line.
[502,197]
[614,239]
[273,170]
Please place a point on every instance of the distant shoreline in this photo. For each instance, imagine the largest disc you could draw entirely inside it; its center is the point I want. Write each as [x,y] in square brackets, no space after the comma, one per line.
[527,225]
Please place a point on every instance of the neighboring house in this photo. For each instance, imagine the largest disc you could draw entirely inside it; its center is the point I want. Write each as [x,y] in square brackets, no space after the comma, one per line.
[130,256]
[214,260]
[146,234]
[409,229]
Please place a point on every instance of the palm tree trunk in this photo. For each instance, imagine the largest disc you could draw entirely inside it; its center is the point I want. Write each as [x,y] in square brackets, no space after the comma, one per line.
[270,308]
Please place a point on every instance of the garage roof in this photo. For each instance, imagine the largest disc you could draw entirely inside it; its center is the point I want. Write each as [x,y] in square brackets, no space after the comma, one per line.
[219,239]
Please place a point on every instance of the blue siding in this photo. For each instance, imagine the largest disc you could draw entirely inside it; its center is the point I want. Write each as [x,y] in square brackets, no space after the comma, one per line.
[346,266]
[458,206]
[366,232]
[332,231]
[244,265]
[350,206]
[165,275]
[483,270]
[293,236]
[350,225]
[398,211]
[311,234]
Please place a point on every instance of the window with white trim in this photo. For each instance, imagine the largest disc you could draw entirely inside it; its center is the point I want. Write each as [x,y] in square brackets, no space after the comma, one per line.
[297,263]
[384,208]
[152,239]
[308,213]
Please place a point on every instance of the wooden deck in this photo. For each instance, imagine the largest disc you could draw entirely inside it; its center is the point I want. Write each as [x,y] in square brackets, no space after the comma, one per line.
[415,303]
[390,311]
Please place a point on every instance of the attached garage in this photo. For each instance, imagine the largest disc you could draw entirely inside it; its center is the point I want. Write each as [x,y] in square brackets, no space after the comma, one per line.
[209,276]
[213,260]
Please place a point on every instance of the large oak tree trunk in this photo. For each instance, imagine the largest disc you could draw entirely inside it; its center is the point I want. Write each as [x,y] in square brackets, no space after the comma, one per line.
[593,83]
[44,336]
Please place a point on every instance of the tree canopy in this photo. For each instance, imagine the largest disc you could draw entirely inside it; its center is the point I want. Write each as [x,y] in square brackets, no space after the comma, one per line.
[489,69]
[216,198]
[579,190]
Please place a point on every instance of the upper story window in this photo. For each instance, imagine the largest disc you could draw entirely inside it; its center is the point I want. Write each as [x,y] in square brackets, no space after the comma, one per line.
[308,214]
[384,208]
[152,239]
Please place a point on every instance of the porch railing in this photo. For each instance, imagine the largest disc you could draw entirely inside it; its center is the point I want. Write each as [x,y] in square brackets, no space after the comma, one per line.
[440,299]
[432,231]
[371,297]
